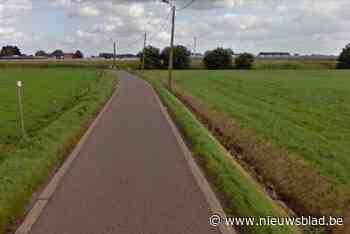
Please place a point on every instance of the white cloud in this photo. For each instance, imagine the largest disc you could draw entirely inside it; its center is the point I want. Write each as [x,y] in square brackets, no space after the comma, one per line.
[86,11]
[11,14]
[301,26]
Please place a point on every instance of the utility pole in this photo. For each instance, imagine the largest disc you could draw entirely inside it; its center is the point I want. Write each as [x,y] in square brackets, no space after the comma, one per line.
[144,53]
[171,57]
[114,54]
[195,45]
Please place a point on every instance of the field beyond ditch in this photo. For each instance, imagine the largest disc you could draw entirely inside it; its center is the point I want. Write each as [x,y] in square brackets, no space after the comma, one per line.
[46,94]
[292,128]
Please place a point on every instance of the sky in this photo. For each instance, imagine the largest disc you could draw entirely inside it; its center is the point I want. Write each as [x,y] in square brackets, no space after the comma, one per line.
[298,26]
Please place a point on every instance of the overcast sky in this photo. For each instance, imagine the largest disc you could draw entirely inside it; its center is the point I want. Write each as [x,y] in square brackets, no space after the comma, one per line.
[298,26]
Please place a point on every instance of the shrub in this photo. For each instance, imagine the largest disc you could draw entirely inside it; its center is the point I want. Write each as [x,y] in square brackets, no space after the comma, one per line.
[152,59]
[244,61]
[344,58]
[219,58]
[10,51]
[182,57]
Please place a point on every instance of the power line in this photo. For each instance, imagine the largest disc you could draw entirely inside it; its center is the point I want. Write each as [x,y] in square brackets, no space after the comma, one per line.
[161,28]
[187,5]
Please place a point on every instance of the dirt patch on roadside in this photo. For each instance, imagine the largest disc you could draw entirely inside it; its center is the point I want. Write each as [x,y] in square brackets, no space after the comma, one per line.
[287,177]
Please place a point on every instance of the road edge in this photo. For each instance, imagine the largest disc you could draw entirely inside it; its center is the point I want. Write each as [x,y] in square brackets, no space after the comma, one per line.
[209,195]
[42,200]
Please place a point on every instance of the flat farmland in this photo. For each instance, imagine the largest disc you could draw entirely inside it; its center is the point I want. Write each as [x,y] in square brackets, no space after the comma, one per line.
[303,114]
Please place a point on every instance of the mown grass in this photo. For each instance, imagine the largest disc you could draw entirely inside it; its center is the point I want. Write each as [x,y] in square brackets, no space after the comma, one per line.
[291,126]
[244,197]
[305,112]
[62,104]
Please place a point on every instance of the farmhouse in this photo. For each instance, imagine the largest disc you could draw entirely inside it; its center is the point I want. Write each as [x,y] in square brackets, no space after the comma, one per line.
[68,56]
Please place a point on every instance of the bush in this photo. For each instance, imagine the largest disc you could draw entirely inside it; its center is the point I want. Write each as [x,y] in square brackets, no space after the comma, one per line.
[344,58]
[244,61]
[152,59]
[10,51]
[182,57]
[219,58]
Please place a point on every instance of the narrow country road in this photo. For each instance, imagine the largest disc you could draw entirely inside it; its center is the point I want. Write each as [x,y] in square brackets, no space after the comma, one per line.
[130,176]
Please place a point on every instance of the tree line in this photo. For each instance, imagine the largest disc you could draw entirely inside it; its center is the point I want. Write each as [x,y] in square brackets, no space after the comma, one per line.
[9,50]
[219,58]
[58,54]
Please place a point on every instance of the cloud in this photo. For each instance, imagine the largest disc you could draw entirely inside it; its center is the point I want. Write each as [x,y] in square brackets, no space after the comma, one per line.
[86,11]
[303,26]
[11,14]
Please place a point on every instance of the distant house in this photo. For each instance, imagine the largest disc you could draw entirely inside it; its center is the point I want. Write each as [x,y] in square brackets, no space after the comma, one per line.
[274,54]
[235,55]
[68,56]
[106,55]
[196,55]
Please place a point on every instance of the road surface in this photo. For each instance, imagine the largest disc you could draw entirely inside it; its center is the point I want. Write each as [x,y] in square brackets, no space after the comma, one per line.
[130,176]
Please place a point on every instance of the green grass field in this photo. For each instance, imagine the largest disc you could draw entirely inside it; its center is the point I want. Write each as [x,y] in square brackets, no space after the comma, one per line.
[46,93]
[305,113]
[59,103]
[75,63]
[283,64]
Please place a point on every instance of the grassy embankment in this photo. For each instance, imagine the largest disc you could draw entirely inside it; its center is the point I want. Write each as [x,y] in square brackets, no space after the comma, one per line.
[58,106]
[290,127]
[242,195]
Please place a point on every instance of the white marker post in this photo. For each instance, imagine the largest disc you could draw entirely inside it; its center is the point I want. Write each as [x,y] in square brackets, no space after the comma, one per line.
[20,107]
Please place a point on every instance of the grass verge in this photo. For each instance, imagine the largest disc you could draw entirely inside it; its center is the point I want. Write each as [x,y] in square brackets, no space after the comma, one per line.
[243,197]
[28,167]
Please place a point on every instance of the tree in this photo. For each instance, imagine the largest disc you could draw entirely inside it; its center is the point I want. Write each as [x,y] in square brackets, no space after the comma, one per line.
[152,59]
[230,51]
[10,51]
[78,55]
[219,58]
[182,57]
[344,58]
[244,61]
[57,53]
[41,53]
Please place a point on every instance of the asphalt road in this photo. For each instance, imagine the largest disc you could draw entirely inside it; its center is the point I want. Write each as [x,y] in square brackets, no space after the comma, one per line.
[129,177]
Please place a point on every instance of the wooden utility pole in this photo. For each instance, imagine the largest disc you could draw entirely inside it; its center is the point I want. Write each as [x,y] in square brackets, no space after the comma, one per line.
[144,53]
[114,54]
[171,56]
